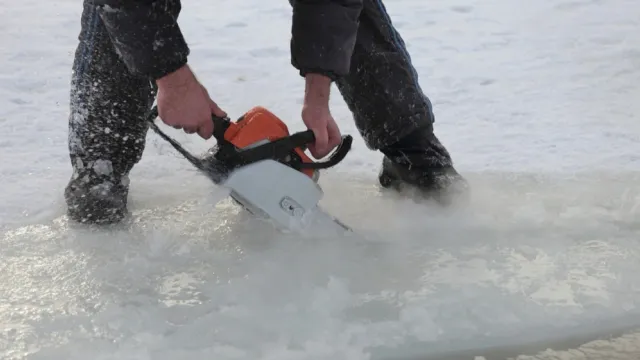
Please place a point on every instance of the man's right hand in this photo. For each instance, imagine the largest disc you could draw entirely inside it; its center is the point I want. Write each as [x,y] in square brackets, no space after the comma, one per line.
[184,103]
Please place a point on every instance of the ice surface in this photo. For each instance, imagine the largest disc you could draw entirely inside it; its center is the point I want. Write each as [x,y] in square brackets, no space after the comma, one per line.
[519,88]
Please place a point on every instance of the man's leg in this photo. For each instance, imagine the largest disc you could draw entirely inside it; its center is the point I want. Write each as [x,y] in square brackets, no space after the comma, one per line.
[106,126]
[391,111]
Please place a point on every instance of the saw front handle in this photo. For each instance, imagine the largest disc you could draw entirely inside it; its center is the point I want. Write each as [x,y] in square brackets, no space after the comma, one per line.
[304,138]
[280,148]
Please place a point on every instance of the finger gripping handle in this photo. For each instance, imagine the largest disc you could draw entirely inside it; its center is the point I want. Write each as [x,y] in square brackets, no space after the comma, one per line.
[338,155]
[302,139]
[220,126]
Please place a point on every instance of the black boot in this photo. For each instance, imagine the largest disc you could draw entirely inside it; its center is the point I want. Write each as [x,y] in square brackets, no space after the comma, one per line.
[420,162]
[96,198]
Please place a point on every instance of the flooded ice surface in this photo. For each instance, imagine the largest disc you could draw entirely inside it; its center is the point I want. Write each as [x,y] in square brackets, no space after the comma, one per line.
[530,260]
[536,101]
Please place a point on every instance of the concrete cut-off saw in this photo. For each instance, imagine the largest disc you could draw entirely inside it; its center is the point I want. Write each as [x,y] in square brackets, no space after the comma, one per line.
[264,167]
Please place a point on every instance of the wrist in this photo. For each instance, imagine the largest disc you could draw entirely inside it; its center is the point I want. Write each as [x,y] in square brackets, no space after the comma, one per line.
[317,89]
[180,78]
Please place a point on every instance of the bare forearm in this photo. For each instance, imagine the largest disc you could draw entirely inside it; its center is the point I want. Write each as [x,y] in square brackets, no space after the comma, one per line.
[317,89]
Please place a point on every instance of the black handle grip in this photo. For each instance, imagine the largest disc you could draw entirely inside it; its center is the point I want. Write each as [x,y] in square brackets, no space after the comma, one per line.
[303,138]
[338,155]
[220,126]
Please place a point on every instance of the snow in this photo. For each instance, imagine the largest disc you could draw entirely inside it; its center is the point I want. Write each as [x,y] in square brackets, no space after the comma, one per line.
[537,102]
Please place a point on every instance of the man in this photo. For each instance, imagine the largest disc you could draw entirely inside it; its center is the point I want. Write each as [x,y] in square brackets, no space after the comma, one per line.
[128,48]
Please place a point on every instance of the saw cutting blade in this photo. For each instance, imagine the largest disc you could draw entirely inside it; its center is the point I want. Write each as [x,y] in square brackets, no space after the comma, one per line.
[269,189]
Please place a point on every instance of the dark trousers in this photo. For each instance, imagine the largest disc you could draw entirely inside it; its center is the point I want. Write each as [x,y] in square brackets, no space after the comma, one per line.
[108,104]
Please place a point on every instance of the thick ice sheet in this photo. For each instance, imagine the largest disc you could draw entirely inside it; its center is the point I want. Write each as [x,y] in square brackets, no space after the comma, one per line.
[529,260]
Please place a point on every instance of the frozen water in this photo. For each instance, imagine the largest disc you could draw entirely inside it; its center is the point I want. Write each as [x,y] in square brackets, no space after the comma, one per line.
[531,260]
[535,100]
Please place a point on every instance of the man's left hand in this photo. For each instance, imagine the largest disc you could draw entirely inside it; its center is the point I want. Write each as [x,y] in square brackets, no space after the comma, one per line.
[317,116]
[319,119]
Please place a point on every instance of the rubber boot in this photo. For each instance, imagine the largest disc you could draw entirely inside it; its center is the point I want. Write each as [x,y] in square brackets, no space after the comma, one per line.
[96,195]
[419,164]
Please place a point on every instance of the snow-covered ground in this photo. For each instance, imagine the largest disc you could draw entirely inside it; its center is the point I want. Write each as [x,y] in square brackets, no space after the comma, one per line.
[536,100]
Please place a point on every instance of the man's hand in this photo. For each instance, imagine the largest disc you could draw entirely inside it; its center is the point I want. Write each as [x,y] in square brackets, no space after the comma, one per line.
[184,103]
[317,117]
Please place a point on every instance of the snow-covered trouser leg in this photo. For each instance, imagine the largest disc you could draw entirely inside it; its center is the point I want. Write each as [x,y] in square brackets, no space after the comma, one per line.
[391,111]
[107,128]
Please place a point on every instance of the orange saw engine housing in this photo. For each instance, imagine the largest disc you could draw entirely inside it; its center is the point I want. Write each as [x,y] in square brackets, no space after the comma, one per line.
[258,125]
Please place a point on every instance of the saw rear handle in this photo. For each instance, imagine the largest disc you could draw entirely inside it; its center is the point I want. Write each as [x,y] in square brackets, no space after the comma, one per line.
[278,149]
